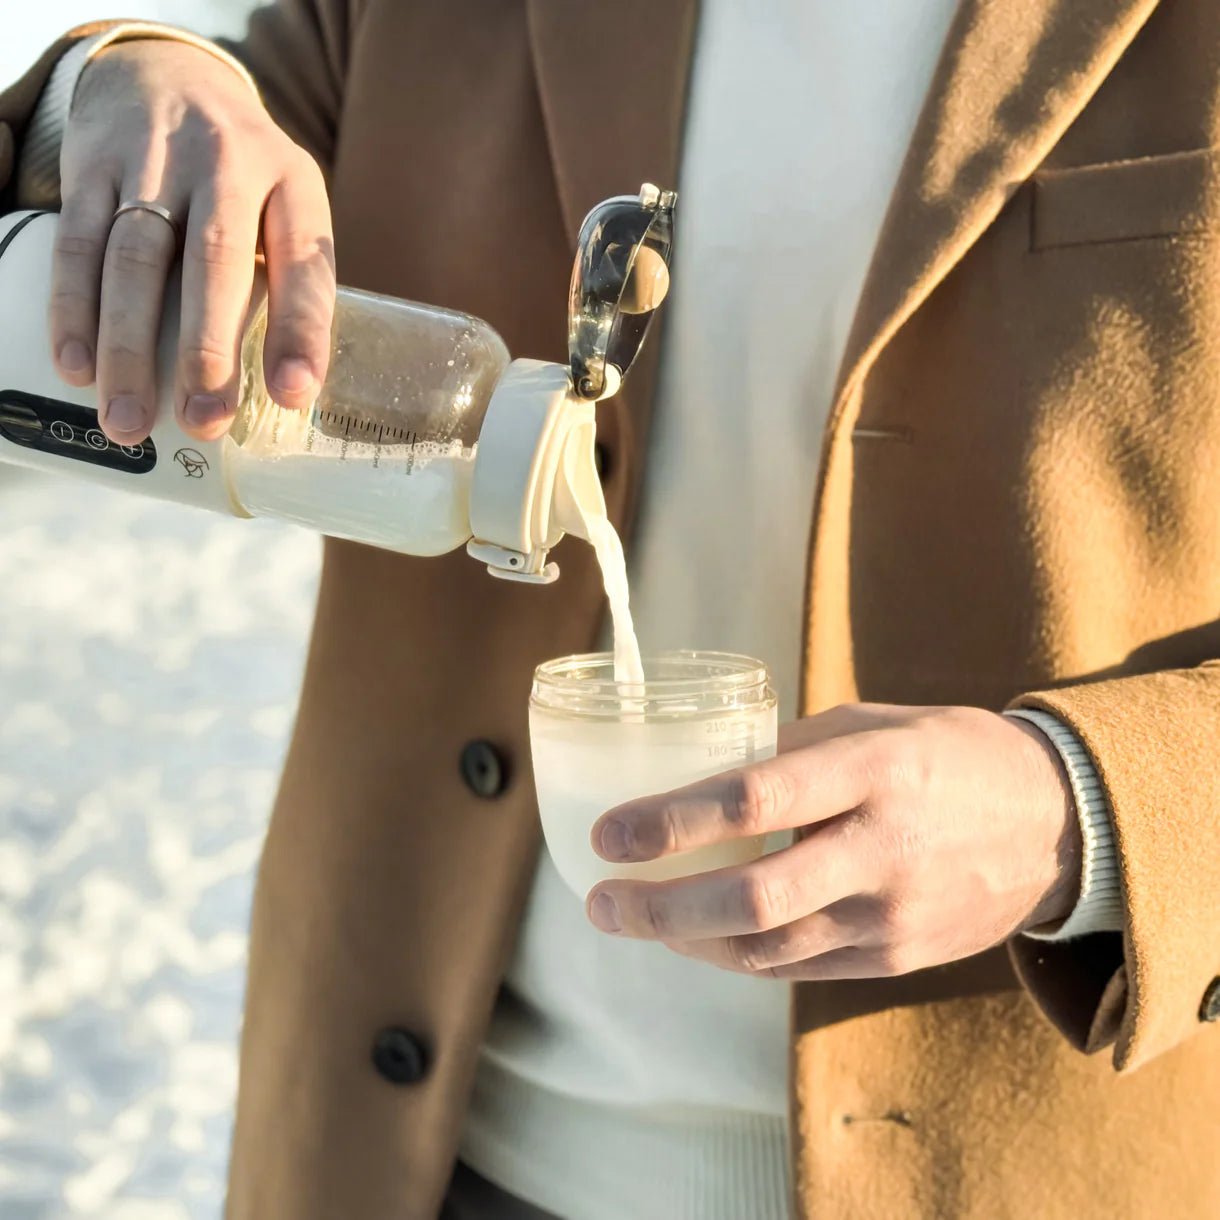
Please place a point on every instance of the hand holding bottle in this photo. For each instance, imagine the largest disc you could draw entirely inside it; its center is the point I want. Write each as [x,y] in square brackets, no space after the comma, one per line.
[168,123]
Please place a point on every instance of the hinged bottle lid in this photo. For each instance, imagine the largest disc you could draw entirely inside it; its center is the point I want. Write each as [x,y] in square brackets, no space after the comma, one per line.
[535,475]
[620,277]
[515,516]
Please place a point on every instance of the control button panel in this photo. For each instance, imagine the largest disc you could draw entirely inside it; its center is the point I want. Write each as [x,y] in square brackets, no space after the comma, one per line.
[68,430]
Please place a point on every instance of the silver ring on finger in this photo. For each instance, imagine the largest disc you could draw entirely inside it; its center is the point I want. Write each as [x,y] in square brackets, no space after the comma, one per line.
[147,205]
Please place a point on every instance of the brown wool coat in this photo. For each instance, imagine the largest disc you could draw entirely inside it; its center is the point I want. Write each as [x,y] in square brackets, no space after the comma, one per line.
[1019,502]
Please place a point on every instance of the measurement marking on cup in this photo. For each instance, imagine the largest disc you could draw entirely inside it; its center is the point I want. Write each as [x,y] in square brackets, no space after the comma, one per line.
[739,745]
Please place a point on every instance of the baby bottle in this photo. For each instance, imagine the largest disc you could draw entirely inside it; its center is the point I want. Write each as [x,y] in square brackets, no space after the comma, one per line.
[425,436]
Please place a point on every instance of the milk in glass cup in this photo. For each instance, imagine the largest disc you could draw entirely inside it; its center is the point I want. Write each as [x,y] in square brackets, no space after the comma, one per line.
[596,744]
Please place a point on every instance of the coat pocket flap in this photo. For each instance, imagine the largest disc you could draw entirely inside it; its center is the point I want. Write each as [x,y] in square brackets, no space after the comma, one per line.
[1164,196]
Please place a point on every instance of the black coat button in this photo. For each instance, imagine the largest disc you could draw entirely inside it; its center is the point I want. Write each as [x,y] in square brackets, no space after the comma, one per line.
[603,461]
[1209,1010]
[484,769]
[399,1057]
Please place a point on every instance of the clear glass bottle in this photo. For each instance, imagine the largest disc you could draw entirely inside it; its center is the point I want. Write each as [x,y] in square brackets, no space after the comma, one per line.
[596,743]
[387,453]
[424,437]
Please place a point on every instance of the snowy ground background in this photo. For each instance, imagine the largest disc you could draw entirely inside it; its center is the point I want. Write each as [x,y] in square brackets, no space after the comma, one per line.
[149,664]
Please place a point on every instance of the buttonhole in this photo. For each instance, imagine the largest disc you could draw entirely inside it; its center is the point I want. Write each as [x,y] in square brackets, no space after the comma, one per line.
[901,1118]
[897,433]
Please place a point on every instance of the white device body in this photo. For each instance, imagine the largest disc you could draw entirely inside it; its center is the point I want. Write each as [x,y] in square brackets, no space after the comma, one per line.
[181,468]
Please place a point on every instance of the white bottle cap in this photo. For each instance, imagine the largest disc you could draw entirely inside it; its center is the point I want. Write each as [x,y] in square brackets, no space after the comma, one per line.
[534,463]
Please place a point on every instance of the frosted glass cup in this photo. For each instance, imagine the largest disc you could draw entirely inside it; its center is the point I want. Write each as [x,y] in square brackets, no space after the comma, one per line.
[596,745]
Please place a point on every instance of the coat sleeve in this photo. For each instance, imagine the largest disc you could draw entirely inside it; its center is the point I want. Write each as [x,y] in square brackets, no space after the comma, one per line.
[296,50]
[1154,740]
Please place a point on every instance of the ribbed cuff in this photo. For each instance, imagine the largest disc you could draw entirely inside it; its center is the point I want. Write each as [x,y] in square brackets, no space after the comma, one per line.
[38,169]
[1100,905]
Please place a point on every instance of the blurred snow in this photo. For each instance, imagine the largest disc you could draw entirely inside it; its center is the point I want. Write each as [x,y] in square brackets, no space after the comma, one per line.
[149,664]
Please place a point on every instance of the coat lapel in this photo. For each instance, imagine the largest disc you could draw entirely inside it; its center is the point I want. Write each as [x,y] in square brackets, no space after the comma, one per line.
[1011,80]
[612,85]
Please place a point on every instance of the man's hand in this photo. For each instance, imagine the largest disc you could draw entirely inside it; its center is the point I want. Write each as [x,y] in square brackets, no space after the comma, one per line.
[926,834]
[169,123]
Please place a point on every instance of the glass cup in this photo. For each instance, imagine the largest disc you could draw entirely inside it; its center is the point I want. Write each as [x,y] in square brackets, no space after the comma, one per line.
[596,744]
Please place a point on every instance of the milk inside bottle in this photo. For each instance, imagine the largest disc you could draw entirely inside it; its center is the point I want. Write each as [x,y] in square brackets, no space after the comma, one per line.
[425,437]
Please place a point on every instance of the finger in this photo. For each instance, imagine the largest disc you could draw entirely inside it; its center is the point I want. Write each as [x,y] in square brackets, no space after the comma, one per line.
[766,953]
[852,962]
[299,250]
[217,273]
[786,792]
[765,894]
[139,254]
[76,275]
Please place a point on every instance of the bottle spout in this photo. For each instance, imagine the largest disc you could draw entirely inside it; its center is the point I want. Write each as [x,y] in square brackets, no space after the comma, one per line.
[578,490]
[576,500]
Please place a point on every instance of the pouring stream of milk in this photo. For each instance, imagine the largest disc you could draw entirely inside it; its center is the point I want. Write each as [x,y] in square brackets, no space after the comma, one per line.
[628,667]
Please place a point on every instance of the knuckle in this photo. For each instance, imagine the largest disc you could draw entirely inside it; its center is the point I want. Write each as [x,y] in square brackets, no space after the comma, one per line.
[73,247]
[897,764]
[672,829]
[299,323]
[306,247]
[208,137]
[754,798]
[122,354]
[761,955]
[747,953]
[205,362]
[765,902]
[64,301]
[217,248]
[657,915]
[140,256]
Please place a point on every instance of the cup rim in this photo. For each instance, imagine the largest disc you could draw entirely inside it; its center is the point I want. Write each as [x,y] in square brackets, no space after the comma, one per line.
[736,673]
